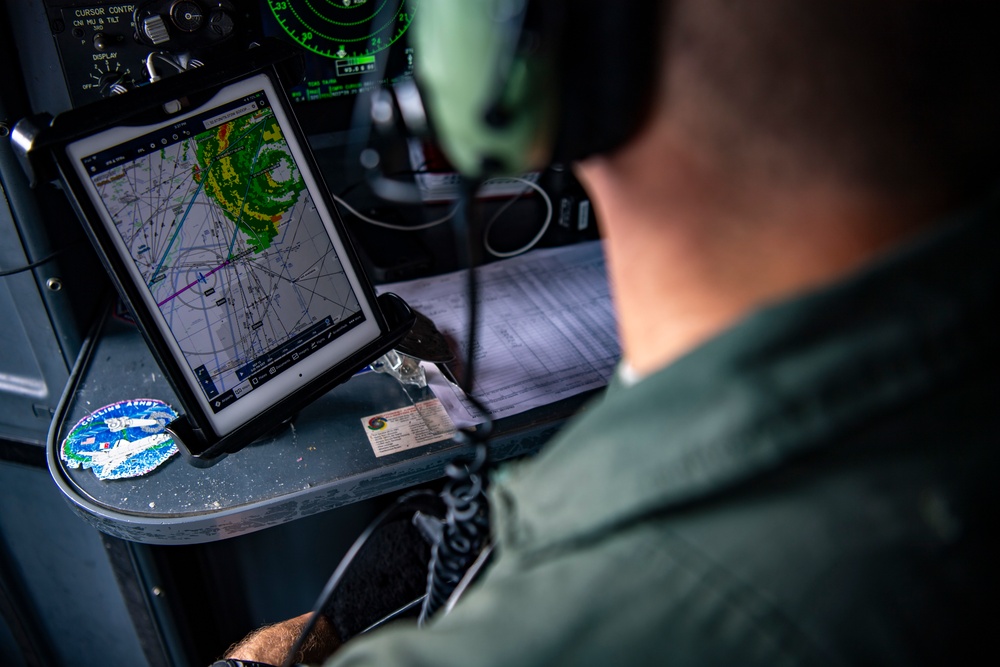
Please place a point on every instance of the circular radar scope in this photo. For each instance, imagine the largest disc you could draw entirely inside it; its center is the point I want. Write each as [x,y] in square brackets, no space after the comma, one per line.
[351,30]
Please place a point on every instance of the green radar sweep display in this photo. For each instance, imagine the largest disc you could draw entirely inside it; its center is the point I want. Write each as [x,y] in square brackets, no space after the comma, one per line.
[345,36]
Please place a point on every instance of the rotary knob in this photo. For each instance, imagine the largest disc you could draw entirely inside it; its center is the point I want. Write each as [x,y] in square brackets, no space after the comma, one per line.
[113,83]
[221,23]
[186,15]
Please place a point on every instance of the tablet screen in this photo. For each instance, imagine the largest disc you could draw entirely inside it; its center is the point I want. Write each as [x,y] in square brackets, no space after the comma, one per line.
[218,220]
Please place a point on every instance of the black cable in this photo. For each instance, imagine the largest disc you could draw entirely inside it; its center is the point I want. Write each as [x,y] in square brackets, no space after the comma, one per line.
[459,539]
[33,265]
[404,503]
[402,611]
[462,225]
[485,556]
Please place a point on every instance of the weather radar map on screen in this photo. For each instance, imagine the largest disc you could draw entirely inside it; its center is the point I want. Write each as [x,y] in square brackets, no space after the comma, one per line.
[217,218]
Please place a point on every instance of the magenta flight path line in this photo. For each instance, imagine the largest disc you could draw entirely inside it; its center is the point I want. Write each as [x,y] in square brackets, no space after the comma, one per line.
[201,279]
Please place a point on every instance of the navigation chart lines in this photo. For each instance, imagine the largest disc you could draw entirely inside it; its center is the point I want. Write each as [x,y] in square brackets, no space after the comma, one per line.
[230,244]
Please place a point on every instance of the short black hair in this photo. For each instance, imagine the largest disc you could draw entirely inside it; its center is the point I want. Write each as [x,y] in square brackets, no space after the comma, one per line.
[899,94]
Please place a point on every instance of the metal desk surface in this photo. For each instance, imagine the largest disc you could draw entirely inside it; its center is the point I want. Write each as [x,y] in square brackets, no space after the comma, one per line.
[320,461]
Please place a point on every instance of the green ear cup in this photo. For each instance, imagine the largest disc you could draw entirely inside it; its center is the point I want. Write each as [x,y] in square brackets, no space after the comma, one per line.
[492,106]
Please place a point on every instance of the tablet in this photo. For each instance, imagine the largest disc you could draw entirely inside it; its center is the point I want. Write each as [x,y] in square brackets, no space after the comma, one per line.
[219,233]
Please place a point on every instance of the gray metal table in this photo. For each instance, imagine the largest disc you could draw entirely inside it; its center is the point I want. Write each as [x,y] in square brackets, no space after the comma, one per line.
[320,461]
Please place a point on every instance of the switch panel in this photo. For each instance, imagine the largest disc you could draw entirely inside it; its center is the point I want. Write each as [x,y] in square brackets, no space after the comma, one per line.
[109,48]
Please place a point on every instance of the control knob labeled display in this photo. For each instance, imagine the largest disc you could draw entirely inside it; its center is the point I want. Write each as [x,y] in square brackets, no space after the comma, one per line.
[106,47]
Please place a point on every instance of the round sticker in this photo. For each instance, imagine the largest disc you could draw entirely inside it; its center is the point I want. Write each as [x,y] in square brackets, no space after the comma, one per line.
[124,439]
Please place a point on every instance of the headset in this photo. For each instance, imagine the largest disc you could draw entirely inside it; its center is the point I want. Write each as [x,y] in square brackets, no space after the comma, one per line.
[512,85]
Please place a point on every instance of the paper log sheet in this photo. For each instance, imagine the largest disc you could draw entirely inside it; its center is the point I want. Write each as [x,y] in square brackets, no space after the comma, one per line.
[547,329]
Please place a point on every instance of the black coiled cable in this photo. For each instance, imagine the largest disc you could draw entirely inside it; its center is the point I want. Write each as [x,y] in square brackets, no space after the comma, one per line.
[458,539]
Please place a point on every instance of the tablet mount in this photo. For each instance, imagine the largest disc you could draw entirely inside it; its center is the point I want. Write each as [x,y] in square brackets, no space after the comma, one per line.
[41,142]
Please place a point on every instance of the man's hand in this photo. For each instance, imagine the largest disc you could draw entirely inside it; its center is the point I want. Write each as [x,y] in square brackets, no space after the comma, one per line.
[272,643]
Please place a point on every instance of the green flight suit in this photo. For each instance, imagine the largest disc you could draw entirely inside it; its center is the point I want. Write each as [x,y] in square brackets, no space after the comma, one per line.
[816,485]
